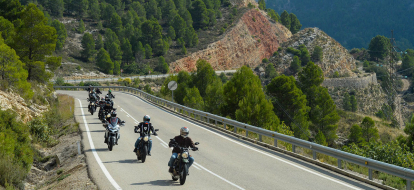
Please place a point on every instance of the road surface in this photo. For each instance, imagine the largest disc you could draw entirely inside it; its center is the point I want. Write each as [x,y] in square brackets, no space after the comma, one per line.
[222,162]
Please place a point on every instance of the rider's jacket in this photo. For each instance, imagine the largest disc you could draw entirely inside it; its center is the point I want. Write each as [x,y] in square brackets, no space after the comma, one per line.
[144,128]
[183,142]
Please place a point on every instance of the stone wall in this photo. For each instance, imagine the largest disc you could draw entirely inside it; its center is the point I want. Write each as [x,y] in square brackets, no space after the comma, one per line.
[351,82]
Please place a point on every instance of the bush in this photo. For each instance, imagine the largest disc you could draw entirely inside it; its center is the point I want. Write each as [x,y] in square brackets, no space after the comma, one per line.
[92,83]
[293,51]
[265,60]
[59,81]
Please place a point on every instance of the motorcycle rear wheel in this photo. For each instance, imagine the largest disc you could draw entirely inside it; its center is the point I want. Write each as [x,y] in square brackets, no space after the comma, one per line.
[183,175]
[143,153]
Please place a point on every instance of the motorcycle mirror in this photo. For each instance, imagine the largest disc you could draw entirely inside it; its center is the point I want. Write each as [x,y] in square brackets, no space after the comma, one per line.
[156,130]
[196,143]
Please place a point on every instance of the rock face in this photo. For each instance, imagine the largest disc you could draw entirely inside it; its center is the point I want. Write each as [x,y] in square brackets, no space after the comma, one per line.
[335,56]
[352,82]
[253,38]
[243,3]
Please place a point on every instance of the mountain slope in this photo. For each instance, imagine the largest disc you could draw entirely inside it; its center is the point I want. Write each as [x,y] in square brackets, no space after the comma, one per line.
[353,23]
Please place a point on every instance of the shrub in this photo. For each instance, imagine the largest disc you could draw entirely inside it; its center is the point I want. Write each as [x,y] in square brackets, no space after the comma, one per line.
[265,60]
[59,81]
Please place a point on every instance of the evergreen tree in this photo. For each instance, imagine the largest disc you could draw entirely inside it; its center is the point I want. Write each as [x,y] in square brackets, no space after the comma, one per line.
[139,9]
[193,99]
[294,23]
[409,130]
[115,52]
[214,97]
[107,11]
[223,78]
[99,43]
[151,9]
[80,6]
[379,47]
[209,4]
[162,66]
[61,34]
[295,65]
[285,19]
[116,3]
[115,23]
[262,4]
[317,55]
[88,46]
[212,16]
[126,48]
[290,104]
[369,131]
[346,103]
[100,27]
[408,65]
[354,103]
[81,27]
[148,51]
[273,15]
[311,75]
[170,12]
[356,134]
[183,50]
[103,61]
[191,37]
[140,52]
[320,139]
[117,67]
[151,32]
[7,30]
[171,32]
[205,75]
[35,41]
[127,18]
[56,8]
[179,26]
[270,71]
[184,82]
[304,55]
[94,10]
[187,18]
[10,9]
[199,14]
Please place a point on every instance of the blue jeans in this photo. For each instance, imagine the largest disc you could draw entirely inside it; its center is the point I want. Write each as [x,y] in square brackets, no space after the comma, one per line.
[174,156]
[150,143]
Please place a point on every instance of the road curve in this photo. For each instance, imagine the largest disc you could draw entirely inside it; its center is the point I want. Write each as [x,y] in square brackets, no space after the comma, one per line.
[223,162]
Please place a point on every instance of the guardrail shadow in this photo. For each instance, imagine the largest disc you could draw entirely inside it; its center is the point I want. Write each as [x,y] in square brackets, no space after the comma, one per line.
[129,161]
[159,183]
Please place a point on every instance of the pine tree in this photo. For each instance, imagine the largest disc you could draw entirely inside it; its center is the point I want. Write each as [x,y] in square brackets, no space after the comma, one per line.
[148,51]
[212,16]
[205,75]
[88,46]
[408,65]
[346,103]
[184,82]
[193,99]
[311,75]
[214,97]
[369,131]
[290,104]
[295,65]
[94,10]
[171,32]
[199,14]
[110,37]
[285,19]
[294,23]
[162,66]
[273,15]
[100,27]
[191,37]
[127,54]
[151,9]
[317,55]
[270,71]
[304,55]
[356,134]
[8,31]
[151,32]
[262,4]
[107,11]
[320,139]
[99,43]
[179,26]
[80,6]
[223,78]
[183,50]
[104,62]
[56,8]
[187,18]
[354,103]
[61,33]
[81,27]
[139,9]
[140,52]
[115,52]
[379,47]
[409,130]
[117,67]
[115,23]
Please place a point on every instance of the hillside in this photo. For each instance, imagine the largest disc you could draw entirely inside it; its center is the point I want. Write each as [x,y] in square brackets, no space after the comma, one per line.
[353,23]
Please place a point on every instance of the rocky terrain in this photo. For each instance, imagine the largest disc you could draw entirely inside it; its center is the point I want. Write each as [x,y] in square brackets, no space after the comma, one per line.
[335,56]
[253,38]
[243,3]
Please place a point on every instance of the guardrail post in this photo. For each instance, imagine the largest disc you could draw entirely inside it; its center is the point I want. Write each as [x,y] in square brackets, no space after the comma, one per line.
[293,148]
[408,185]
[247,133]
[339,163]
[216,123]
[235,129]
[208,120]
[275,142]
[370,173]
[224,126]
[260,138]
[314,154]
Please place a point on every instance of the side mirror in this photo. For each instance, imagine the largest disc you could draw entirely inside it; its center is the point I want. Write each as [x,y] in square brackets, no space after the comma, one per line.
[196,143]
[156,130]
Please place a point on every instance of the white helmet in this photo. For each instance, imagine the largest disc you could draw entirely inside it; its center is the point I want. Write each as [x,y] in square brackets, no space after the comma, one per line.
[147,118]
[184,131]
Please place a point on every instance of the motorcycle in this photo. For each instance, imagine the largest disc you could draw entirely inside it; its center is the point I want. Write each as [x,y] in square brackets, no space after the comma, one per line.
[111,96]
[143,147]
[180,164]
[101,113]
[92,107]
[112,133]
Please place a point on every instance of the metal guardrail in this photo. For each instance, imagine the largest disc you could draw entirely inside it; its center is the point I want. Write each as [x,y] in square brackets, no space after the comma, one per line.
[372,165]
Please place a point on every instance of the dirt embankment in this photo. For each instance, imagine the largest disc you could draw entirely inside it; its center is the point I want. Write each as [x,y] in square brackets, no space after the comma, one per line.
[253,38]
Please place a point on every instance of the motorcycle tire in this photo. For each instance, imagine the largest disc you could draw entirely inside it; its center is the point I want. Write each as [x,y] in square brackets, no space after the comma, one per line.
[144,153]
[111,144]
[183,175]
[174,178]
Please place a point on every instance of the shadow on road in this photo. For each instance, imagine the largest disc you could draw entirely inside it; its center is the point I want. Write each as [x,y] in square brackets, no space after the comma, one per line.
[98,150]
[159,183]
[97,131]
[130,161]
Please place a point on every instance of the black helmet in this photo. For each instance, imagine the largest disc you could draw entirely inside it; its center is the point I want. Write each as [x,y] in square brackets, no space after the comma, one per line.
[147,118]
[113,114]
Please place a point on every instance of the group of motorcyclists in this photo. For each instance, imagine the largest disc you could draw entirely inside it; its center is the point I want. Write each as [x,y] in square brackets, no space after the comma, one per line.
[143,144]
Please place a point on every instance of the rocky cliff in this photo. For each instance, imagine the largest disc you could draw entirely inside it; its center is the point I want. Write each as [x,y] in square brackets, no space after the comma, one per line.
[335,56]
[243,3]
[253,38]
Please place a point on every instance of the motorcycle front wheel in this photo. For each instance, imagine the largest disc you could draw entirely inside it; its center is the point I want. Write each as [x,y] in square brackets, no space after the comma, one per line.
[143,153]
[111,144]
[183,175]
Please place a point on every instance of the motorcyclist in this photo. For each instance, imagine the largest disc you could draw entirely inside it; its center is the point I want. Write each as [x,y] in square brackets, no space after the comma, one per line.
[101,104]
[90,88]
[110,94]
[98,91]
[113,119]
[183,141]
[108,103]
[142,128]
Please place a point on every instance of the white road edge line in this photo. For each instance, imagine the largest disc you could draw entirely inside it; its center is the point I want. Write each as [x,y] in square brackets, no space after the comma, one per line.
[194,162]
[163,145]
[196,167]
[95,154]
[264,153]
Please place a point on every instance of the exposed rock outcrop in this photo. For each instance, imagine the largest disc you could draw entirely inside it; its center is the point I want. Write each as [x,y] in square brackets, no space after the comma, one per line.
[335,56]
[253,38]
[243,3]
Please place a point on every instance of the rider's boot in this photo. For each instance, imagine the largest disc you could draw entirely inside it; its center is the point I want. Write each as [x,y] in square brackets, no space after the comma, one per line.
[149,153]
[171,170]
[135,150]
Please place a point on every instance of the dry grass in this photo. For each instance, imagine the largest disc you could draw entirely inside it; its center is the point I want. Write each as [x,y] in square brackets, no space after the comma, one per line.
[66,107]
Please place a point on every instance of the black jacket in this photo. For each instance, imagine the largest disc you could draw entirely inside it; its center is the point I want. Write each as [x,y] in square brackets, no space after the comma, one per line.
[143,128]
[183,142]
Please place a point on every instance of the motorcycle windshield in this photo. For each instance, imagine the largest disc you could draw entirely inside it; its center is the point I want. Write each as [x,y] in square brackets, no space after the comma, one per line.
[114,122]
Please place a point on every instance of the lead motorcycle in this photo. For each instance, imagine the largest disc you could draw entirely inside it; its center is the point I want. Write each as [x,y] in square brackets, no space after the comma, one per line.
[143,147]
[180,164]
[112,132]
[92,107]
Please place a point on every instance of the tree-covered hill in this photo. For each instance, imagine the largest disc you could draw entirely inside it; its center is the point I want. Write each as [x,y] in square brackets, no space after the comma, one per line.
[353,23]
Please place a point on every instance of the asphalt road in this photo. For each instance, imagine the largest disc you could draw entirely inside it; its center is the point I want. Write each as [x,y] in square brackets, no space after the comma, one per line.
[222,162]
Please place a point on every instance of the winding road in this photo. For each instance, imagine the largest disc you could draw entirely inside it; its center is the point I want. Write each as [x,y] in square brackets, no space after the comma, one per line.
[223,162]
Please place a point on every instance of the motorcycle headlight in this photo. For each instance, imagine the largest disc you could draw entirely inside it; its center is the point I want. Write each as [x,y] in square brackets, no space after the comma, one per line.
[184,155]
[109,115]
[93,104]
[146,138]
